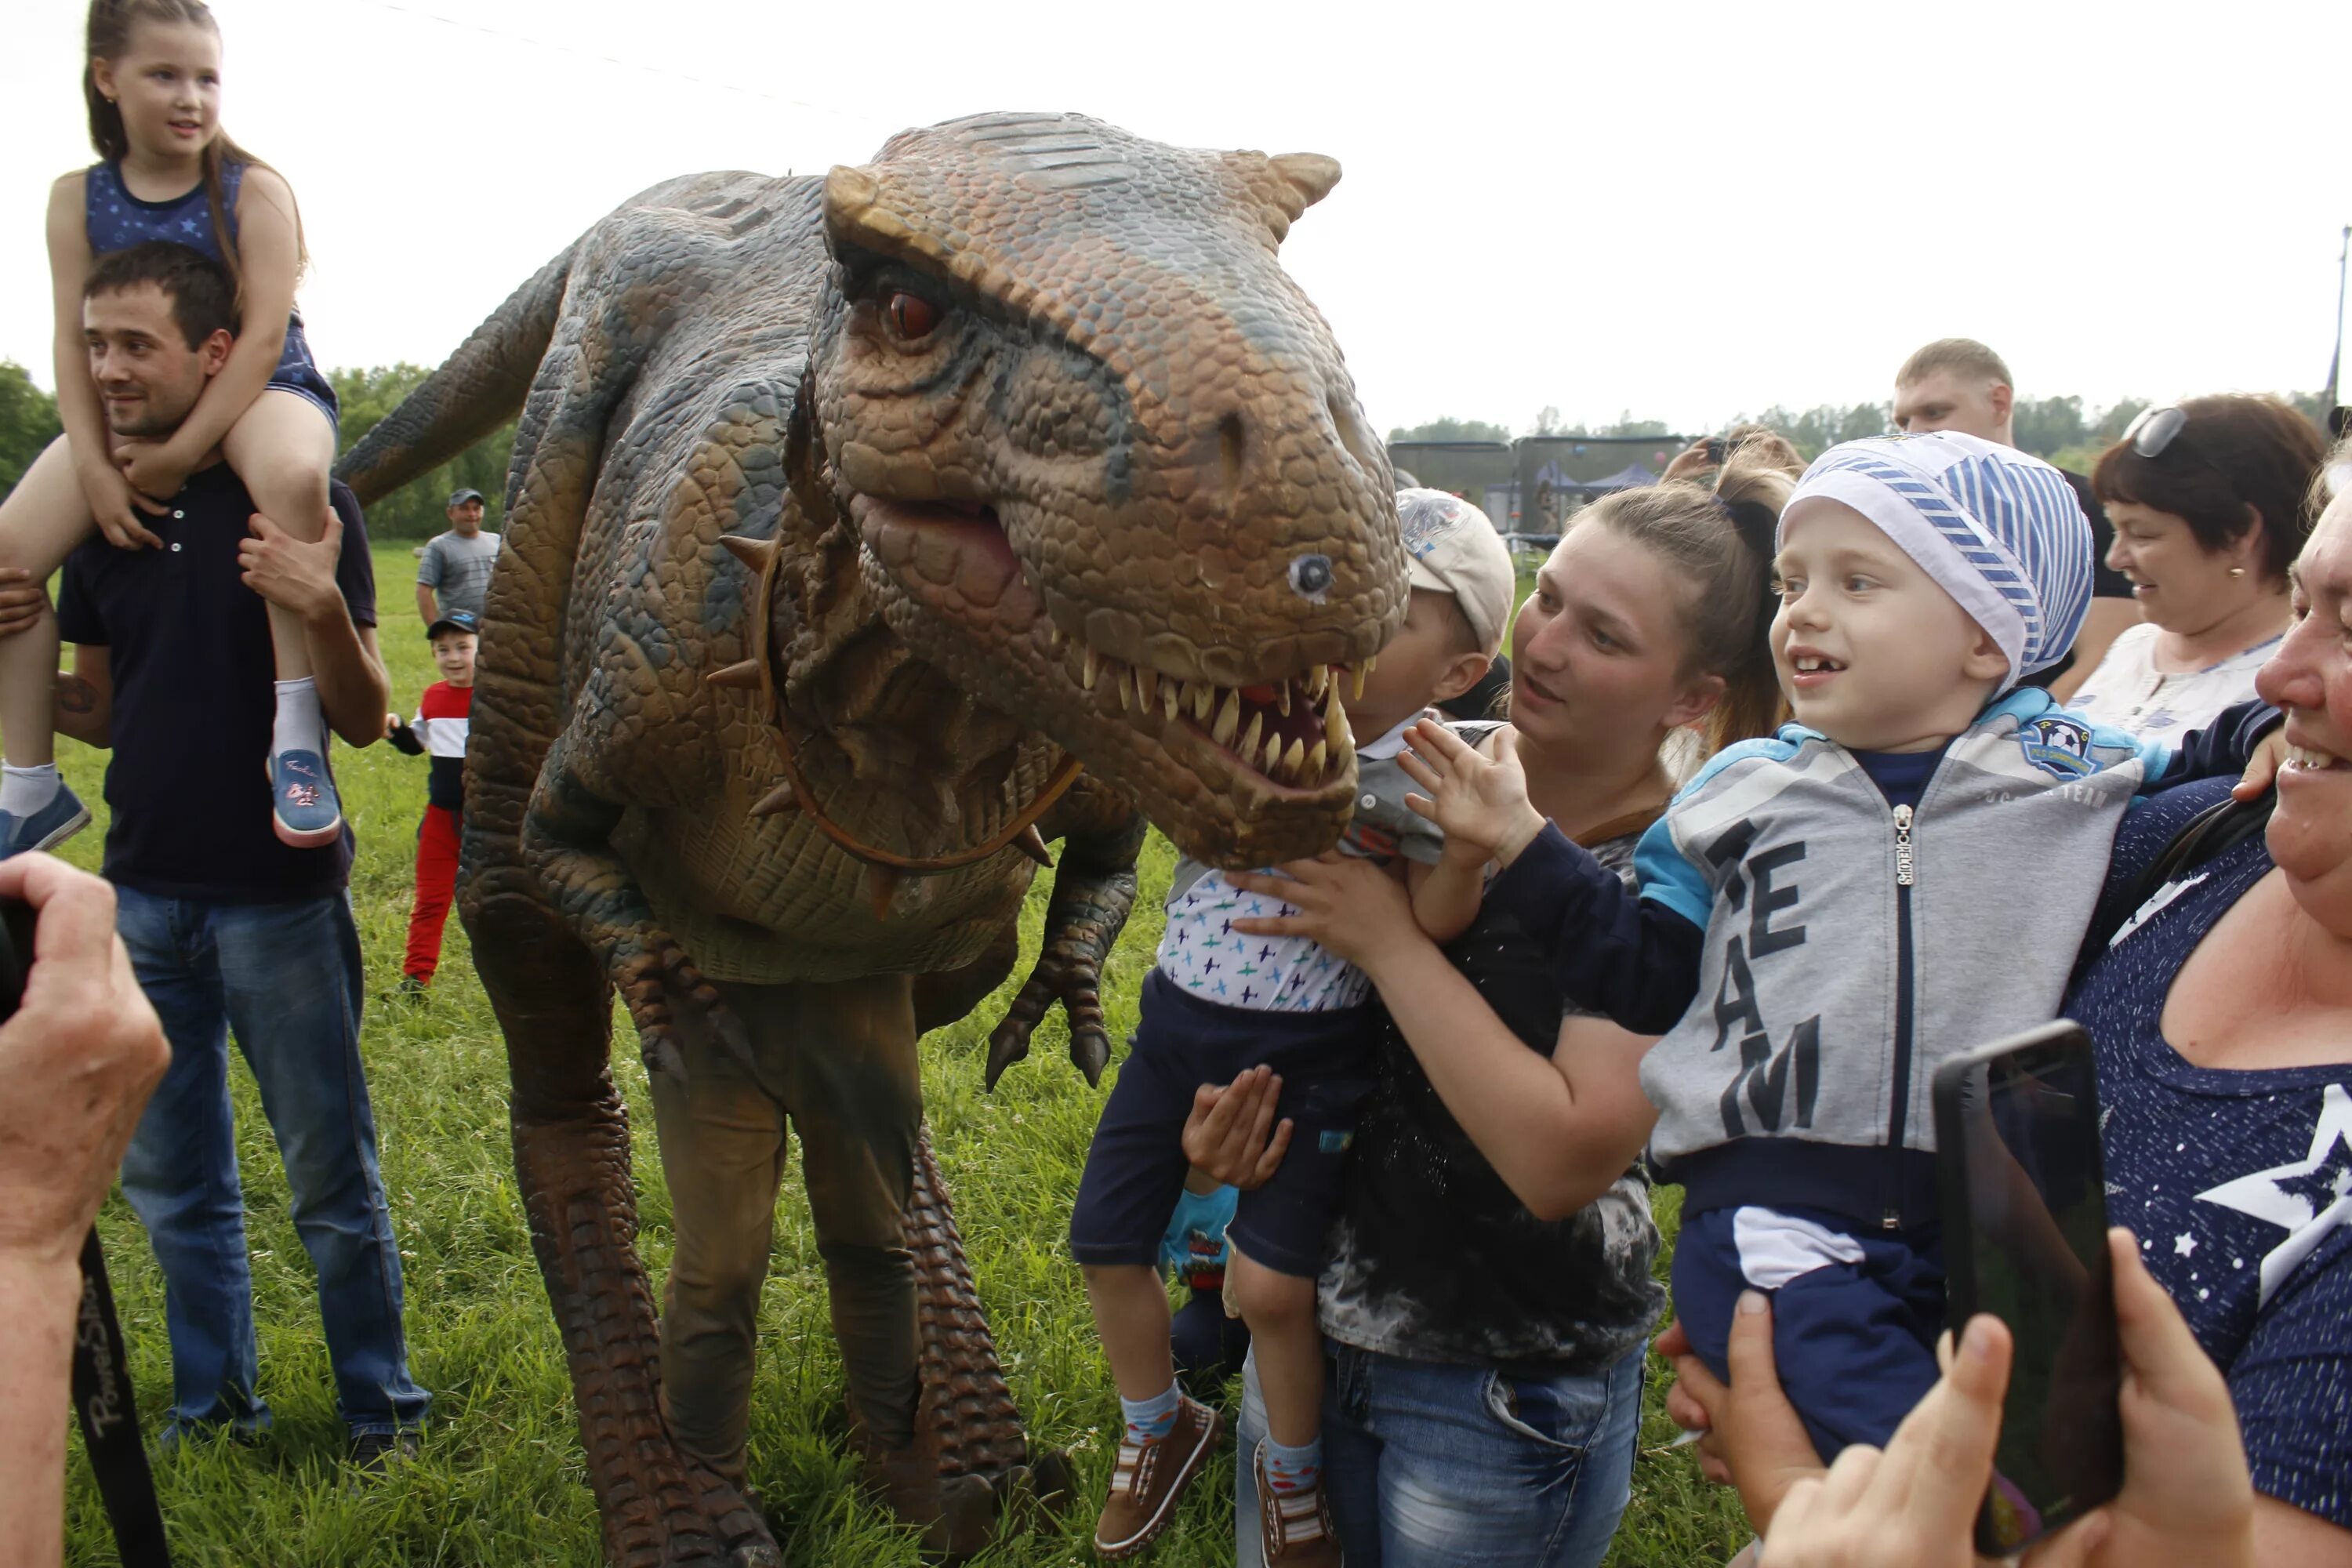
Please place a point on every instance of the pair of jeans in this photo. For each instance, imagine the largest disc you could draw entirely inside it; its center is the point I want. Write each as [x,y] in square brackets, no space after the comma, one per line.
[286,979]
[1435,1466]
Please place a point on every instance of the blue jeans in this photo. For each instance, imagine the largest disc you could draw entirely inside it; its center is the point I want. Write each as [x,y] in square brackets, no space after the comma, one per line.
[286,978]
[1429,1465]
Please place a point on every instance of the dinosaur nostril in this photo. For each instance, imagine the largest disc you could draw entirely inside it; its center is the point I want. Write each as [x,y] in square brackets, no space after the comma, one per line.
[1349,426]
[1232,446]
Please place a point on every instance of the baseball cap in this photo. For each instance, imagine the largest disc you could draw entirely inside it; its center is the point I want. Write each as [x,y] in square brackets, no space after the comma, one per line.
[1454,549]
[1998,529]
[456,621]
[459,498]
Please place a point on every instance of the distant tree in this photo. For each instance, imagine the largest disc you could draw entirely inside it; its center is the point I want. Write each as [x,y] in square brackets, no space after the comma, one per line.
[28,423]
[2113,422]
[419,509]
[1815,430]
[1451,430]
[2047,424]
[1550,423]
[1626,425]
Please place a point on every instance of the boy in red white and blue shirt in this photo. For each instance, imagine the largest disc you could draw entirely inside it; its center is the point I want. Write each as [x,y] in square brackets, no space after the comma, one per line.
[443,715]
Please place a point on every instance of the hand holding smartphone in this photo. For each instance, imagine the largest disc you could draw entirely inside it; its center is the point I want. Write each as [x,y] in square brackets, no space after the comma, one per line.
[2025,1222]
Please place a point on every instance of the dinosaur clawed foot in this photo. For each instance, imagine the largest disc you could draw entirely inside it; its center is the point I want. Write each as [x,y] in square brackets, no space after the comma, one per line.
[654,976]
[1076,987]
[735,1518]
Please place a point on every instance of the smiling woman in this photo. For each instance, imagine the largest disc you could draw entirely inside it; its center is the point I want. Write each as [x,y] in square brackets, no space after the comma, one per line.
[2208,502]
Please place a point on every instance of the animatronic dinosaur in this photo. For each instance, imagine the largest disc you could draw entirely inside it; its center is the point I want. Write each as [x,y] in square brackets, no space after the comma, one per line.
[850,519]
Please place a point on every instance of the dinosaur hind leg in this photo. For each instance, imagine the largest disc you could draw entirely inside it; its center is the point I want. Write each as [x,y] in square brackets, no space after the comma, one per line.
[571,1156]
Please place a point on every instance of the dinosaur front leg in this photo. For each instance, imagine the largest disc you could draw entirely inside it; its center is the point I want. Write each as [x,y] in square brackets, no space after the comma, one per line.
[567,844]
[572,1159]
[1094,889]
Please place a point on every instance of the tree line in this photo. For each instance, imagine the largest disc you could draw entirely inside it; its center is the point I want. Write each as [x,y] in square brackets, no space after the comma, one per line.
[28,423]
[2061,429]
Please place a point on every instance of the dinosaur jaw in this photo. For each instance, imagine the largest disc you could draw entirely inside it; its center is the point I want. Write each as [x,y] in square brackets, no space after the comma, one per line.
[1278,753]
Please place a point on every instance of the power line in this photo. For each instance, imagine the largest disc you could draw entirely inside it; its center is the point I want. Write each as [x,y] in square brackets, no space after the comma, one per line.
[466,25]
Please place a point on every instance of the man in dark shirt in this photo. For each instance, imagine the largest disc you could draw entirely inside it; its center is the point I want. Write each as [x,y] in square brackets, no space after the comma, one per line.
[229,930]
[1957,384]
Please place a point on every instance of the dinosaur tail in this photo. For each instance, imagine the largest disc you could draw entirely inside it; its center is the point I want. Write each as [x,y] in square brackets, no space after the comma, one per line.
[477,389]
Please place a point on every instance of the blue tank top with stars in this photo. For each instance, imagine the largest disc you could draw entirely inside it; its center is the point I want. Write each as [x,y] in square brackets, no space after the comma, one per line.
[116,220]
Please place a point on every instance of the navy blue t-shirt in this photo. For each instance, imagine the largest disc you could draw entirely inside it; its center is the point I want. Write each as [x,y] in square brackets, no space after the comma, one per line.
[2238,1183]
[187,790]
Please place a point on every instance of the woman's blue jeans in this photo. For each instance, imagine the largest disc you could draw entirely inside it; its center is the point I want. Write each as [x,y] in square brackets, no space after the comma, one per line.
[286,979]
[1429,1465]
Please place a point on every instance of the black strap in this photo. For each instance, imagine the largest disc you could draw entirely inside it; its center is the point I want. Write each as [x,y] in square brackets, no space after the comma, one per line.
[2213,831]
[110,1419]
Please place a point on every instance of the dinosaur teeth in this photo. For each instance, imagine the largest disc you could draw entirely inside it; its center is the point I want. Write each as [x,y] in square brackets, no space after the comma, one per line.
[1126,691]
[1273,768]
[1342,741]
[1356,676]
[1171,696]
[1282,698]
[1317,756]
[1147,689]
[1093,667]
[1248,747]
[1295,759]
[1203,696]
[1318,679]
[1229,719]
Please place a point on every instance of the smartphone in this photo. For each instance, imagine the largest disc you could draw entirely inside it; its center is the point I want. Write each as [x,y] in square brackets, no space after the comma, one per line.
[2023,1190]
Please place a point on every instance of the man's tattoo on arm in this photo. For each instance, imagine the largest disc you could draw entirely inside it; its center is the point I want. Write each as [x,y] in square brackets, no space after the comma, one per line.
[76,695]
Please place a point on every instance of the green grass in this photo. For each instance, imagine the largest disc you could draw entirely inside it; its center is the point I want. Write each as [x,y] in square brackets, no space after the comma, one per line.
[501,1481]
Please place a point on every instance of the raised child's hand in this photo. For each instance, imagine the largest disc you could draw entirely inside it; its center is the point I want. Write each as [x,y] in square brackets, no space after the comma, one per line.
[1479,802]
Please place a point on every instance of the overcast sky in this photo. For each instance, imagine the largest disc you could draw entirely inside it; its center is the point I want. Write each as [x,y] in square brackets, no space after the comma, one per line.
[1686,212]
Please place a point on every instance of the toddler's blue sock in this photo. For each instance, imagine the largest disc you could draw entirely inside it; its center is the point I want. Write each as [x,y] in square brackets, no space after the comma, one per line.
[1295,1469]
[1148,1420]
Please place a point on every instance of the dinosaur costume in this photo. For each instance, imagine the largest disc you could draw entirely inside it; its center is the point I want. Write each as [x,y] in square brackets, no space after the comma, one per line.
[850,519]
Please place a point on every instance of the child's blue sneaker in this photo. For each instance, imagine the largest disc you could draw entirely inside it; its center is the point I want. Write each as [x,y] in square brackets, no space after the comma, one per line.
[63,817]
[303,797]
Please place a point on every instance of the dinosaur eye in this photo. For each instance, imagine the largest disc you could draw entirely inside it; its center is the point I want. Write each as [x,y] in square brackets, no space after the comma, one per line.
[1311,576]
[912,315]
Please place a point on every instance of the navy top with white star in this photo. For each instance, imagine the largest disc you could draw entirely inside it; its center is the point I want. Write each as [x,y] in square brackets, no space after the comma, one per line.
[2239,1184]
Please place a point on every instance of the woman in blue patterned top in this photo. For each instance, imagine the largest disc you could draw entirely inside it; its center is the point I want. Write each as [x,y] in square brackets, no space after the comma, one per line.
[2220,1005]
[168,173]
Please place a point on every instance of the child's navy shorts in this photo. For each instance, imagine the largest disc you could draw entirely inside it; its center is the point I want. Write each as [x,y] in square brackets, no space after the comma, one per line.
[1856,1310]
[1136,1165]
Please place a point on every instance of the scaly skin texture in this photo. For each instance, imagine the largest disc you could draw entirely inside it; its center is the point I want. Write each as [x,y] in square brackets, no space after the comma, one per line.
[911,485]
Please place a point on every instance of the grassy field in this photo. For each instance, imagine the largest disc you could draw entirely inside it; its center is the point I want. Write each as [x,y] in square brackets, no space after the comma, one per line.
[500,1481]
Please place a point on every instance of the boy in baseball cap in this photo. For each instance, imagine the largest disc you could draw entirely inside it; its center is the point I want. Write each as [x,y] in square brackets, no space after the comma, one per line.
[444,716]
[1903,873]
[1217,1003]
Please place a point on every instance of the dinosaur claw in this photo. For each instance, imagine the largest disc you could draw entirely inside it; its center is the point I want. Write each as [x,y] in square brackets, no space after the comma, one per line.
[1090,1053]
[1005,1046]
[661,1056]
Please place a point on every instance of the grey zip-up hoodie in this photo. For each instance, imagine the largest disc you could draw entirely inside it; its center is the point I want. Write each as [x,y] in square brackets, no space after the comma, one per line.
[1849,947]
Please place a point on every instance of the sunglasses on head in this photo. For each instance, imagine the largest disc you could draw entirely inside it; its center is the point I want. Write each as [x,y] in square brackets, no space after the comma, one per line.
[2155,429]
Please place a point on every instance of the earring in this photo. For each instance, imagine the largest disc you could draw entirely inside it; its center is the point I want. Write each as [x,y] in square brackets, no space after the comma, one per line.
[2237,571]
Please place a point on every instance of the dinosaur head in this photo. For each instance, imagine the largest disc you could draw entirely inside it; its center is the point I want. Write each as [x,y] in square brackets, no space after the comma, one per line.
[1106,464]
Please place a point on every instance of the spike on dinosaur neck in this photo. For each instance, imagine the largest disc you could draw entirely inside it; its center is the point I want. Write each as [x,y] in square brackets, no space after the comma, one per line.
[743,676]
[754,554]
[1032,843]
